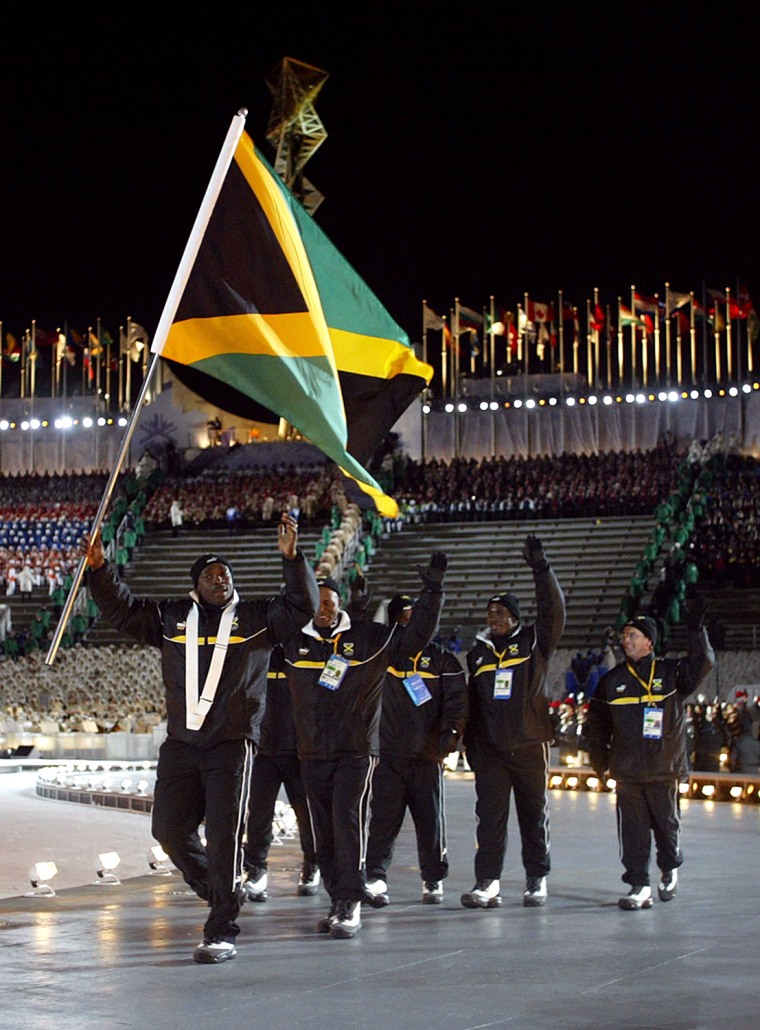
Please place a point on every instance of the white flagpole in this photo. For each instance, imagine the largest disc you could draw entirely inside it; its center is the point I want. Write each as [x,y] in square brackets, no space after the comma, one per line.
[170,308]
[199,229]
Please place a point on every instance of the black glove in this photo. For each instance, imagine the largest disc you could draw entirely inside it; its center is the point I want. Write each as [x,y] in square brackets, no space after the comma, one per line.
[448,742]
[359,602]
[533,553]
[695,613]
[432,576]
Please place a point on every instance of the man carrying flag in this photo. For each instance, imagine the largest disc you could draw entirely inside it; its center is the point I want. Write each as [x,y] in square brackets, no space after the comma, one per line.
[215,650]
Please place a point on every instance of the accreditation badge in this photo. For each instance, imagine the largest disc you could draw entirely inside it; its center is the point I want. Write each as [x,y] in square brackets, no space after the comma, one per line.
[416,689]
[334,671]
[653,723]
[502,685]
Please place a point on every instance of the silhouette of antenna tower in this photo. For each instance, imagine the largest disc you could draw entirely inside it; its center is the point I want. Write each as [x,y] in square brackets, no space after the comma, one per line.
[295,129]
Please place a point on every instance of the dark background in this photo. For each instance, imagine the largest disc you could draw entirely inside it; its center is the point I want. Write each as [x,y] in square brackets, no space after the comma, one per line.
[496,148]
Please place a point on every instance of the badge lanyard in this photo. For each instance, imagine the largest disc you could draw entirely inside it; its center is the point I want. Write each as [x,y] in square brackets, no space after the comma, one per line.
[502,685]
[652,727]
[197,707]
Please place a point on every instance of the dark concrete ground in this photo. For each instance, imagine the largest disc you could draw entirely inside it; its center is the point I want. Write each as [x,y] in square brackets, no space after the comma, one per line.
[97,956]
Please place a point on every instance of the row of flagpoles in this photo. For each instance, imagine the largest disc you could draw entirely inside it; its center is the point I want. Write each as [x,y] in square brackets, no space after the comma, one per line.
[70,362]
[675,339]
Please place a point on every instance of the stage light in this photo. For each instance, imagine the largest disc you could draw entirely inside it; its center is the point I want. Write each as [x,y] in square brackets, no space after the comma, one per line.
[683,788]
[571,782]
[592,783]
[555,781]
[142,788]
[708,789]
[39,875]
[157,859]
[109,860]
[736,792]
[126,785]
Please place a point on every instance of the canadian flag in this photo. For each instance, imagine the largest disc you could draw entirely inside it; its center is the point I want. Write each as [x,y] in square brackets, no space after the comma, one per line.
[538,312]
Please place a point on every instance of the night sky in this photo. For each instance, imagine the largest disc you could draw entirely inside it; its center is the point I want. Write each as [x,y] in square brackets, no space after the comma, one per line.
[502,148]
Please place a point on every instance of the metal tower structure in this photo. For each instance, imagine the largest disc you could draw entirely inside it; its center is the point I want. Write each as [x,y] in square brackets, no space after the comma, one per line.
[295,130]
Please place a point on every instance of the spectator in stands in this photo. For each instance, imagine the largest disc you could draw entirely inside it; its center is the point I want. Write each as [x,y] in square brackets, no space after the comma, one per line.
[25,580]
[636,734]
[744,754]
[176,516]
[216,682]
[711,738]
[509,732]
[424,713]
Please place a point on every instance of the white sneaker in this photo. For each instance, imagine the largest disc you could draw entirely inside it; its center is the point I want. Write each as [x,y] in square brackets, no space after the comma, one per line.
[535,893]
[213,951]
[255,887]
[347,922]
[636,898]
[668,884]
[485,894]
[376,893]
[308,880]
[432,892]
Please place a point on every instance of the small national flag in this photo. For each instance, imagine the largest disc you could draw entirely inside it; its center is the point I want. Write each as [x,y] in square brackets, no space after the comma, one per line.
[469,318]
[675,300]
[133,341]
[598,318]
[429,318]
[645,303]
[12,351]
[538,312]
[496,328]
[628,317]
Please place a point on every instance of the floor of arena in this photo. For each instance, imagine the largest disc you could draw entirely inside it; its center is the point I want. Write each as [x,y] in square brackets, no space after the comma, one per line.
[101,955]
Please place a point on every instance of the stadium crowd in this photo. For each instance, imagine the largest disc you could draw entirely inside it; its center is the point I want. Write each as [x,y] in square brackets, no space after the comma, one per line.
[43,517]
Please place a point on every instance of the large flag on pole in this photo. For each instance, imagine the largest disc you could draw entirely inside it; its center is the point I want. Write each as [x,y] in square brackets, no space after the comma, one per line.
[272,322]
